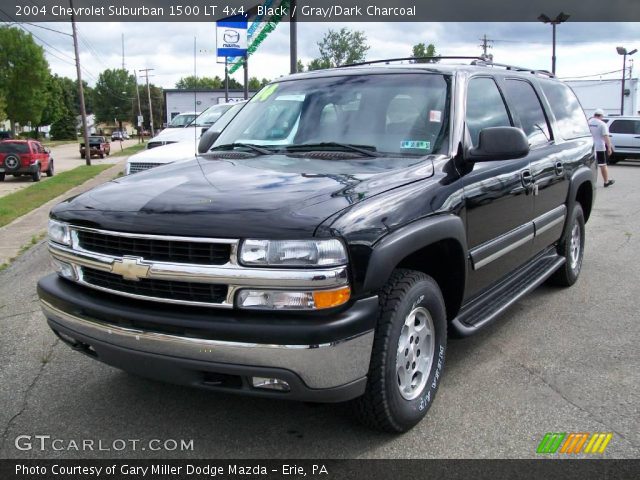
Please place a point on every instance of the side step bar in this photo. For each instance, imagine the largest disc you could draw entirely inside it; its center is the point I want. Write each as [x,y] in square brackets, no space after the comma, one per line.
[486,308]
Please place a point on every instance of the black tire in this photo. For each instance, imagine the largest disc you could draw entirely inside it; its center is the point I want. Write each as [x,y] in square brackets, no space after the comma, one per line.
[37,175]
[568,274]
[50,169]
[101,155]
[2,177]
[383,406]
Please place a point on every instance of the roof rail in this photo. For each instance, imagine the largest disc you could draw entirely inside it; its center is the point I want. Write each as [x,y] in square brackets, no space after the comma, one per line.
[387,60]
[477,61]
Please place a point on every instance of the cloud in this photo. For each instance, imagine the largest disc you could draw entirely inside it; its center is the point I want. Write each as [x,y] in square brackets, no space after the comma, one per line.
[583,48]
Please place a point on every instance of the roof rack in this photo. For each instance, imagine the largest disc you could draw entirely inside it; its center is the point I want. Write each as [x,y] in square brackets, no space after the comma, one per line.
[476,61]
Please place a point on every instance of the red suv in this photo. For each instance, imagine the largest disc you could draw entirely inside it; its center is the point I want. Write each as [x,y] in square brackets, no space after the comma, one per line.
[25,157]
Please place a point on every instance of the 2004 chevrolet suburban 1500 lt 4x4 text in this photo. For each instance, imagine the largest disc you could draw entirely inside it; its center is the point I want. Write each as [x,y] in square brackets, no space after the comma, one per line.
[337,229]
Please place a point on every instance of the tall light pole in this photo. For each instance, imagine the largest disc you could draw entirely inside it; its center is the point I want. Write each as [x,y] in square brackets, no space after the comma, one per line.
[623,51]
[561,18]
[83,110]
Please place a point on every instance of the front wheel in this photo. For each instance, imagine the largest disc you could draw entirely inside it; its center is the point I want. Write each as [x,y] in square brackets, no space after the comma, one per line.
[408,354]
[50,169]
[572,249]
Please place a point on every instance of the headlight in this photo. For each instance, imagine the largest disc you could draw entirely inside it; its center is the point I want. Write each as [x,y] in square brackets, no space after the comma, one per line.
[59,232]
[293,253]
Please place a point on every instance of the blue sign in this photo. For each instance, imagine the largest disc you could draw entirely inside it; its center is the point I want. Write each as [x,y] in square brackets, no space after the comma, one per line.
[231,36]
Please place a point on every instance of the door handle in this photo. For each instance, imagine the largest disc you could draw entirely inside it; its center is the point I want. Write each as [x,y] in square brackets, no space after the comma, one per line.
[527,178]
[559,168]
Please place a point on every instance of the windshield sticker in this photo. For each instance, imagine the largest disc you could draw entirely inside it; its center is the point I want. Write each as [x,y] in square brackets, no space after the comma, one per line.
[435,116]
[415,144]
[266,92]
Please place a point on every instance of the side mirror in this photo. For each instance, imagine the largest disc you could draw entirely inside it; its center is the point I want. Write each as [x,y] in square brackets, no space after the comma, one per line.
[47,150]
[204,129]
[207,139]
[499,143]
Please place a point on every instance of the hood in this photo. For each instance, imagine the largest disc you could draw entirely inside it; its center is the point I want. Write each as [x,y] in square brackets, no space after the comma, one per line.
[271,196]
[174,152]
[178,134]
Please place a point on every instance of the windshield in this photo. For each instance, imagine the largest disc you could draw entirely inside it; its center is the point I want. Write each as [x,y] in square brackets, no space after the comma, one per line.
[96,139]
[227,116]
[401,114]
[182,120]
[210,115]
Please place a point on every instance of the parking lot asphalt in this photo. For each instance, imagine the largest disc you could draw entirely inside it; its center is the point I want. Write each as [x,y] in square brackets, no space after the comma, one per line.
[66,157]
[560,360]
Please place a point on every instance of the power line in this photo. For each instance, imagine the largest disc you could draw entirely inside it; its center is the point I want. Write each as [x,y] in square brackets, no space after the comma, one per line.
[594,74]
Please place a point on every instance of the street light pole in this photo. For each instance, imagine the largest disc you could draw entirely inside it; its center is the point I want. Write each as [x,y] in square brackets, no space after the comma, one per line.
[623,51]
[561,18]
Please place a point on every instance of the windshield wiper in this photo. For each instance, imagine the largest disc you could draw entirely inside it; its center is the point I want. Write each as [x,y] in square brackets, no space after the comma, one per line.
[367,150]
[231,146]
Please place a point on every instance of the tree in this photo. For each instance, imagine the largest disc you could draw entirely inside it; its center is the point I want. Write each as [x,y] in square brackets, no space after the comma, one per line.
[318,64]
[112,95]
[191,82]
[422,50]
[343,47]
[55,108]
[157,102]
[65,127]
[255,84]
[299,66]
[24,73]
[3,106]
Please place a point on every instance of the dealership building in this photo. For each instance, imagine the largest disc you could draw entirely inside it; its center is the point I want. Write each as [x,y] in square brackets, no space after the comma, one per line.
[606,94]
[189,100]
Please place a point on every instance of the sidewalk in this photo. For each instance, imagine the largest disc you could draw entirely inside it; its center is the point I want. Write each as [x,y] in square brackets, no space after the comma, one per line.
[20,232]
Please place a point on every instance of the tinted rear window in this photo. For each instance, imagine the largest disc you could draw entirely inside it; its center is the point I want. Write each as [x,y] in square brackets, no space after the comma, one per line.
[625,126]
[10,147]
[571,121]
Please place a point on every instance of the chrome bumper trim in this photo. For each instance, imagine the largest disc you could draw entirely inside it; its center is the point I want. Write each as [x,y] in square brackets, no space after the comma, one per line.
[319,366]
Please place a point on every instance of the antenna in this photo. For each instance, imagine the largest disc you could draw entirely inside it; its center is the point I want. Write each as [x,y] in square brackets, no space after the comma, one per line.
[485,46]
[123,51]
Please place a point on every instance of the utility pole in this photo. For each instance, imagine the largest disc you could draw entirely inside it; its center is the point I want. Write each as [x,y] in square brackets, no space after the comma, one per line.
[139,119]
[246,76]
[293,37]
[83,110]
[123,51]
[146,74]
[485,47]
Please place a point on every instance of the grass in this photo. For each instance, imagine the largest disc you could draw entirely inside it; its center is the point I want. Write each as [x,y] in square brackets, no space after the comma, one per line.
[23,201]
[34,240]
[115,149]
[55,143]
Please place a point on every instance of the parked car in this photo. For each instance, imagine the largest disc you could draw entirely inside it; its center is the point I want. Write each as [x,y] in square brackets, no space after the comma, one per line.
[341,225]
[181,150]
[625,137]
[193,130]
[119,135]
[98,146]
[25,157]
[182,119]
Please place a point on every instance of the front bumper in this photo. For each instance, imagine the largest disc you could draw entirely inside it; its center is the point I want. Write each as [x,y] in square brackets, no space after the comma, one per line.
[321,358]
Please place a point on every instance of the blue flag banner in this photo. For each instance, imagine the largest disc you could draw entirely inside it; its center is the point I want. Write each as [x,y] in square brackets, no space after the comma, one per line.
[231,36]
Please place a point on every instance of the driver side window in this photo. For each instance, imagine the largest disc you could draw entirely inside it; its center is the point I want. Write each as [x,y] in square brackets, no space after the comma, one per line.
[485,107]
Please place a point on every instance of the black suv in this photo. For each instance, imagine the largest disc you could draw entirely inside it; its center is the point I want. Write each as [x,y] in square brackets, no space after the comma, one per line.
[340,227]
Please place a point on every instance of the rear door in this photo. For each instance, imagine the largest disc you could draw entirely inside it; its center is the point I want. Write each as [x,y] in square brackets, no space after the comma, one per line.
[625,135]
[547,161]
[498,205]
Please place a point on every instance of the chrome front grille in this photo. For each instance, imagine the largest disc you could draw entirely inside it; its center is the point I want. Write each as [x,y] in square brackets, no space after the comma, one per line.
[161,250]
[158,289]
[180,270]
[135,167]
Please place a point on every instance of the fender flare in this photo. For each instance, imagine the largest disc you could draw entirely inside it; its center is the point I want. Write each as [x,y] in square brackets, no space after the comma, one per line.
[392,249]
[580,177]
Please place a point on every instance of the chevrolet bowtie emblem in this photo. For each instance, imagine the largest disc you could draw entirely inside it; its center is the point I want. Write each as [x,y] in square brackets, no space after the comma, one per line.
[130,268]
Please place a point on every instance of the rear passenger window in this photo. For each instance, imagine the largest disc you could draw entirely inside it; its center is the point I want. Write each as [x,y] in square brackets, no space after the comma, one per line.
[625,126]
[485,107]
[571,121]
[527,105]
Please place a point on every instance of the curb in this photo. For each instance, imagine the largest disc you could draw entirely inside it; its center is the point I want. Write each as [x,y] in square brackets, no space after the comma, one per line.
[20,232]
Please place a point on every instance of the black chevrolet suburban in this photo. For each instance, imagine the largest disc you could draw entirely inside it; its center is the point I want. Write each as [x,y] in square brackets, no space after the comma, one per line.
[332,236]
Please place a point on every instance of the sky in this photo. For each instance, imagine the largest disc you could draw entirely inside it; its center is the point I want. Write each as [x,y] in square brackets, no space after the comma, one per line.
[583,49]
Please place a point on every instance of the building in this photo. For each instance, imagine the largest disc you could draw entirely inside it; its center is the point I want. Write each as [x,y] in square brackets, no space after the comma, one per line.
[188,100]
[606,94]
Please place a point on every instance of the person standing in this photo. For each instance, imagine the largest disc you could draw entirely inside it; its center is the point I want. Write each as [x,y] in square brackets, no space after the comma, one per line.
[602,142]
